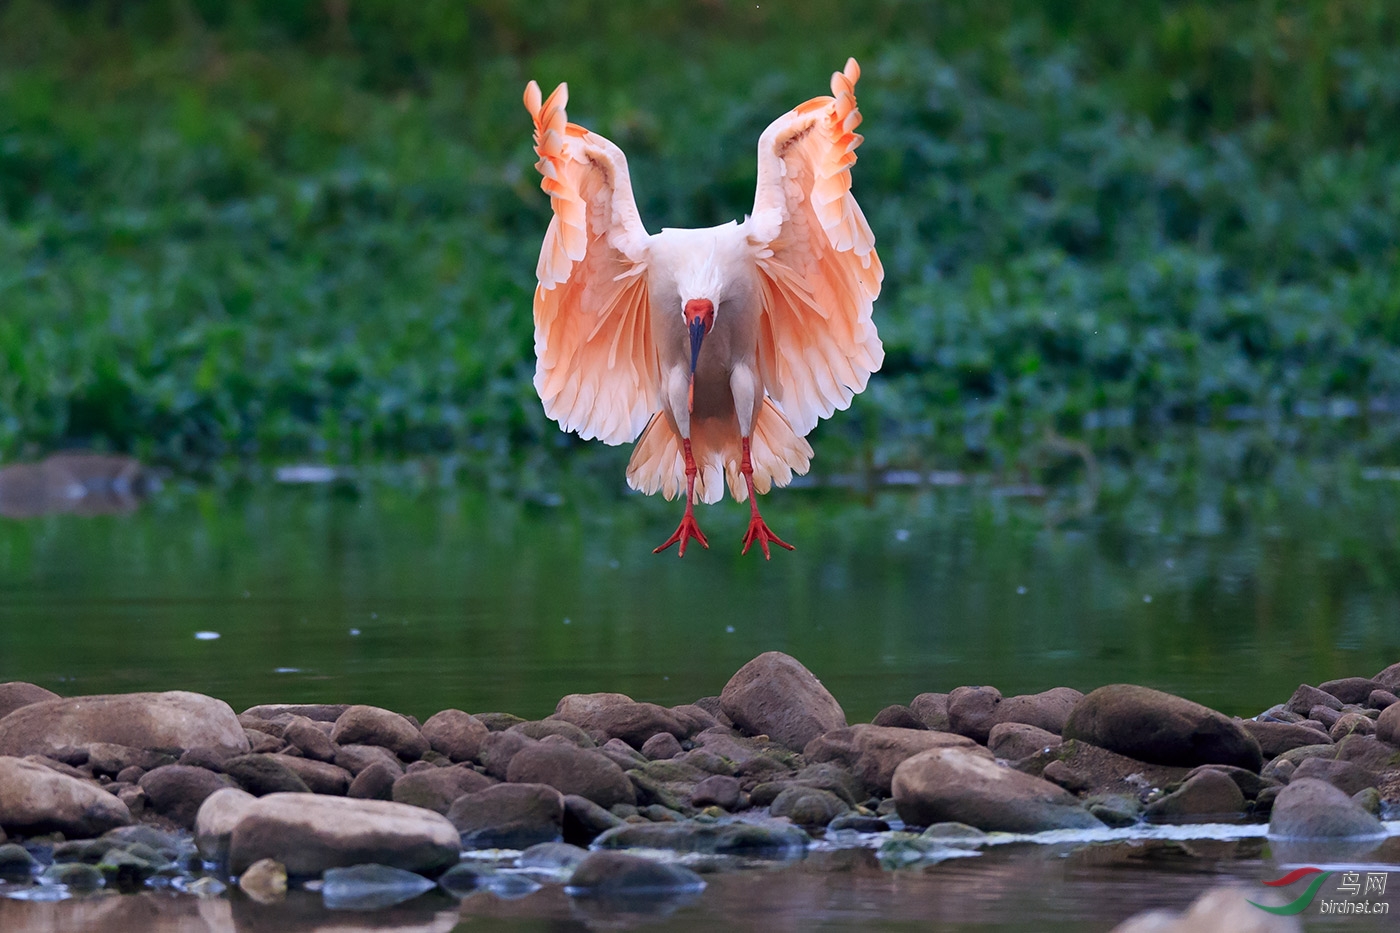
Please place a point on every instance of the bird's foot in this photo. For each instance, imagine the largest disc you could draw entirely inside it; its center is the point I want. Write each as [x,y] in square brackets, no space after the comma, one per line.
[684,532]
[760,532]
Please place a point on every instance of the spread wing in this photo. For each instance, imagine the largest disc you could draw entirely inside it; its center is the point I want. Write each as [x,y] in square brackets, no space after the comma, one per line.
[596,371]
[816,256]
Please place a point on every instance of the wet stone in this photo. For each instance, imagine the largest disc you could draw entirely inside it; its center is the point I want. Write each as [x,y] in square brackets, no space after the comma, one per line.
[1312,809]
[508,816]
[16,863]
[1306,697]
[371,887]
[603,873]
[808,806]
[1206,796]
[584,820]
[716,790]
[774,841]
[1346,776]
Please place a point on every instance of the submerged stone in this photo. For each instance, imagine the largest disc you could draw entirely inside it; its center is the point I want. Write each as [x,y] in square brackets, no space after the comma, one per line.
[370,887]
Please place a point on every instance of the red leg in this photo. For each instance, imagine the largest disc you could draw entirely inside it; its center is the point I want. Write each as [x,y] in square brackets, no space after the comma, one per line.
[688,528]
[758,528]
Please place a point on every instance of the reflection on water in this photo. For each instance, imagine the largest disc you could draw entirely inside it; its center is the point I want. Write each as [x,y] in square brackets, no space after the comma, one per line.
[1206,575]
[77,484]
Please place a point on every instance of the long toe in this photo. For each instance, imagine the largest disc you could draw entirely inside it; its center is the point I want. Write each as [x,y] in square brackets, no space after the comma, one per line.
[760,532]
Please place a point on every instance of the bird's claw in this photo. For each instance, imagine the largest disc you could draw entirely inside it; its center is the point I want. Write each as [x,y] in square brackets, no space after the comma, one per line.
[684,532]
[760,532]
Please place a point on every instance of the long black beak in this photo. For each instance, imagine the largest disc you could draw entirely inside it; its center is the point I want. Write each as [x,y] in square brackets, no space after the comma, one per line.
[697,334]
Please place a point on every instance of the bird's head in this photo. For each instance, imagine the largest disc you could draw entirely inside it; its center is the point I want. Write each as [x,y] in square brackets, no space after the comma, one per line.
[699,314]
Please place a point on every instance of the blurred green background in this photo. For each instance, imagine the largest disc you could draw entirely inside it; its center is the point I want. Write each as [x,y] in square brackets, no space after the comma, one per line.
[245,232]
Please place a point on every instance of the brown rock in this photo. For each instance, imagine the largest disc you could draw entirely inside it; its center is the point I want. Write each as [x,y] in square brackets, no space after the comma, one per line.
[499,748]
[17,693]
[1088,768]
[313,742]
[165,721]
[320,777]
[972,711]
[317,712]
[618,716]
[110,759]
[1016,740]
[1389,678]
[1311,809]
[1382,699]
[1348,777]
[584,820]
[717,790]
[1351,689]
[572,770]
[898,717]
[775,695]
[265,881]
[356,758]
[509,816]
[1206,796]
[932,710]
[1388,725]
[176,792]
[555,728]
[1275,738]
[436,788]
[35,799]
[872,753]
[623,755]
[808,806]
[661,746]
[371,725]
[215,819]
[1157,727]
[456,734]
[309,833]
[966,785]
[1306,697]
[1349,723]
[693,718]
[265,774]
[375,782]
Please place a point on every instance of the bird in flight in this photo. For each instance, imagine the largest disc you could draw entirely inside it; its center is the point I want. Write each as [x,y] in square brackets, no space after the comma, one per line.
[721,347]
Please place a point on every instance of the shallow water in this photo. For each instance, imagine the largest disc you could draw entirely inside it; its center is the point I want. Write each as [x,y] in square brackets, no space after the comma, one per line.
[1186,577]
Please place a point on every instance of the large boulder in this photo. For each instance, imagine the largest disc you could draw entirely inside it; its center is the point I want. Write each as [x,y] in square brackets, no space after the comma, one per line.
[618,716]
[35,799]
[872,752]
[509,816]
[1157,727]
[173,720]
[962,785]
[775,695]
[1309,808]
[17,693]
[572,770]
[309,833]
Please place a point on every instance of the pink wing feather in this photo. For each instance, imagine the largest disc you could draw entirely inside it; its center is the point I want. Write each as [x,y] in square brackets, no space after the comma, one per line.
[597,371]
[817,262]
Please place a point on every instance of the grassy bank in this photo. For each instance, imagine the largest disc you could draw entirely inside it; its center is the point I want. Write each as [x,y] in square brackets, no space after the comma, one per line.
[306,229]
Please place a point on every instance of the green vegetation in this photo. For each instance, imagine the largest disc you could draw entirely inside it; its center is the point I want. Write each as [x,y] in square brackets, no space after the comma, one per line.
[308,228]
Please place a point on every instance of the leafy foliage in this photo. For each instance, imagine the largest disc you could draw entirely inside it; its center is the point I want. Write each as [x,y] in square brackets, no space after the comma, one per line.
[268,229]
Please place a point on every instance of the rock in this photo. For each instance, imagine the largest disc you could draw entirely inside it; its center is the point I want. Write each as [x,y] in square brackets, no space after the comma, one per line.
[313,742]
[356,758]
[110,759]
[316,712]
[371,725]
[1368,752]
[623,755]
[370,887]
[456,734]
[616,873]
[774,695]
[618,716]
[872,753]
[1389,678]
[856,823]
[693,718]
[16,864]
[509,816]
[17,693]
[661,746]
[165,721]
[717,790]
[572,770]
[967,786]
[1312,809]
[1225,909]
[261,743]
[498,722]
[1275,738]
[1388,724]
[1016,740]
[376,782]
[1351,689]
[773,840]
[35,799]
[1382,699]
[1325,715]
[499,748]
[898,717]
[1346,776]
[264,774]
[808,806]
[1208,796]
[320,777]
[265,881]
[972,711]
[436,788]
[176,792]
[932,710]
[309,833]
[1157,727]
[1306,697]
[552,858]
[584,820]
[1249,783]
[1084,768]
[555,728]
[211,759]
[1351,723]
[1115,810]
[214,822]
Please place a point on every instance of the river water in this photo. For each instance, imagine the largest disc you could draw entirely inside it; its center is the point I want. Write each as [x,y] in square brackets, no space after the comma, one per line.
[1222,585]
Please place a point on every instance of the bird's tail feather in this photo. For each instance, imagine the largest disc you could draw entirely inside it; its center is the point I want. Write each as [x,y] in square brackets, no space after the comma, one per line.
[657,464]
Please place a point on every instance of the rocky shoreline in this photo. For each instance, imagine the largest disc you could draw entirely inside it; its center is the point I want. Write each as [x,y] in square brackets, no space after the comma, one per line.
[370,807]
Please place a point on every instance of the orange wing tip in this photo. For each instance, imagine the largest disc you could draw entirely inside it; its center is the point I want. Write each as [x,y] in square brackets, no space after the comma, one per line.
[532,98]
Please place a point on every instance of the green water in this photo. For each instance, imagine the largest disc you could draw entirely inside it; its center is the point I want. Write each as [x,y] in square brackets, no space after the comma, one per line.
[1230,590]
